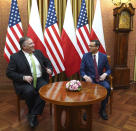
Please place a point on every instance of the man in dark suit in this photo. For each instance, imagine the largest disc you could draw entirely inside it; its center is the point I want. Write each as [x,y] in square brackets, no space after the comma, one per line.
[29,70]
[95,68]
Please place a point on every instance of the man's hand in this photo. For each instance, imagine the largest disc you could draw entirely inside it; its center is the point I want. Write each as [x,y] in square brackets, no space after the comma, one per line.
[103,77]
[87,78]
[28,79]
[48,71]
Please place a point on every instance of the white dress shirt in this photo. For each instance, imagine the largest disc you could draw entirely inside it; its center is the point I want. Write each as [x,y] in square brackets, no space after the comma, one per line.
[37,64]
[96,57]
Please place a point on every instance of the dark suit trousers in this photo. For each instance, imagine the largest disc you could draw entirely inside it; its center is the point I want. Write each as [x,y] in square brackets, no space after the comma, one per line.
[107,86]
[31,95]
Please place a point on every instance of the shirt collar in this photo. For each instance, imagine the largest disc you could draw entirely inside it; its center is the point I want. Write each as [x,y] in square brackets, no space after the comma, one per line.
[26,53]
[96,54]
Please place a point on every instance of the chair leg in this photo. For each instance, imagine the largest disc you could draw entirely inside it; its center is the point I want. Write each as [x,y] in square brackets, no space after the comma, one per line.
[18,107]
[111,100]
[50,109]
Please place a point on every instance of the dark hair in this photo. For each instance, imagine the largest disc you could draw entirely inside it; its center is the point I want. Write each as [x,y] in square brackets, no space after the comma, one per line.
[22,40]
[97,42]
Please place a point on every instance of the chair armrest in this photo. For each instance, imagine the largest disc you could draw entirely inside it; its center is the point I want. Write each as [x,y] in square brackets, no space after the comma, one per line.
[110,78]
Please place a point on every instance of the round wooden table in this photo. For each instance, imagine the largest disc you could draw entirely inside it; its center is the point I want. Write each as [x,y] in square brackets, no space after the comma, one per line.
[72,103]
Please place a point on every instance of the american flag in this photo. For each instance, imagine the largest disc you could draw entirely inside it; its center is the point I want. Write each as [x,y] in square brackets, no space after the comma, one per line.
[82,31]
[53,41]
[14,31]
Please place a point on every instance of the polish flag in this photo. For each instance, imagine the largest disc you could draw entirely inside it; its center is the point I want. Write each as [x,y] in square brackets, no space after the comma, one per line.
[70,47]
[97,28]
[35,28]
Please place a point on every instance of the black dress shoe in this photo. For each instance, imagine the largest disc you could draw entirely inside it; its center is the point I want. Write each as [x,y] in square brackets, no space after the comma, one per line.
[103,114]
[33,121]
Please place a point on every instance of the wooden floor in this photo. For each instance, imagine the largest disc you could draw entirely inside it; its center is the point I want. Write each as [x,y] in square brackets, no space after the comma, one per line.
[123,117]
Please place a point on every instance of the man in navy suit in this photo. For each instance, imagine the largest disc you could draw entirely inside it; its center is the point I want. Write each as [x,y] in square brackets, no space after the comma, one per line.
[21,69]
[95,68]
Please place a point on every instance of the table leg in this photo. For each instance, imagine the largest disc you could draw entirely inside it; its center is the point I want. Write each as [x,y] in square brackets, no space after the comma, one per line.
[73,118]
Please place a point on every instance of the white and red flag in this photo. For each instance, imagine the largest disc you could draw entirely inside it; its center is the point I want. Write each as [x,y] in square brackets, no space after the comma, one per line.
[97,28]
[35,28]
[53,41]
[82,31]
[14,31]
[71,49]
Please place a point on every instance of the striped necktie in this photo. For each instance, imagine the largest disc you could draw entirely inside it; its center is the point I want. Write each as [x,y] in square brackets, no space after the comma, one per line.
[34,70]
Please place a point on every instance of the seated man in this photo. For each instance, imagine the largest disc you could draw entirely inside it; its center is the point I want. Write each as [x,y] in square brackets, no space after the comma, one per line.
[92,66]
[29,70]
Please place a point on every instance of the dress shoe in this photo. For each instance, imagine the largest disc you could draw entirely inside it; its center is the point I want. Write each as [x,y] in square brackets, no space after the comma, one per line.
[103,114]
[33,121]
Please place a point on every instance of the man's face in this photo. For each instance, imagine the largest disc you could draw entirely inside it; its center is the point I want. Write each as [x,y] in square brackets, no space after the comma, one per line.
[29,46]
[93,47]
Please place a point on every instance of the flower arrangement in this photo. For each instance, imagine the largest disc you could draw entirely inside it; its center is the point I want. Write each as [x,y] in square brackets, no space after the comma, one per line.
[73,85]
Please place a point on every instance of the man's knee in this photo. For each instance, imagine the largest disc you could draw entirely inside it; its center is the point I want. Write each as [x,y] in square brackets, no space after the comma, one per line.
[29,91]
[106,85]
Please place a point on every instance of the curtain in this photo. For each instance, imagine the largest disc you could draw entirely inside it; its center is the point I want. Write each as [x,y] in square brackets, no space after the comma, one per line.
[60,6]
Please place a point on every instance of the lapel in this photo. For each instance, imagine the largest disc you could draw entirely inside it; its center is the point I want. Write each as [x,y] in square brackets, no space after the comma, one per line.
[38,58]
[91,60]
[99,59]
[25,60]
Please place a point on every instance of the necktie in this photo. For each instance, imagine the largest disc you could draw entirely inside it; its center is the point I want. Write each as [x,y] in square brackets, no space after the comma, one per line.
[96,70]
[34,71]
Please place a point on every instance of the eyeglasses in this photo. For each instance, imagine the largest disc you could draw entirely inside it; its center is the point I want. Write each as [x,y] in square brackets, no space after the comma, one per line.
[92,45]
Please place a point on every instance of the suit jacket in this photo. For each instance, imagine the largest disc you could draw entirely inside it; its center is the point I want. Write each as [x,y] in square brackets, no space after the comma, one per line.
[87,65]
[18,67]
